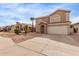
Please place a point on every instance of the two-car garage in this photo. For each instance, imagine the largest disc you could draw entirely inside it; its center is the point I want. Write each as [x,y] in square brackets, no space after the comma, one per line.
[58,29]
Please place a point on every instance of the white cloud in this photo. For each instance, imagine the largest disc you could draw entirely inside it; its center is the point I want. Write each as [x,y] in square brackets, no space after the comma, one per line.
[9,5]
[75,19]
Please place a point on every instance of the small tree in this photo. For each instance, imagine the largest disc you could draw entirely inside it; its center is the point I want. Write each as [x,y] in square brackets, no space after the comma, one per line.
[17,31]
[26,28]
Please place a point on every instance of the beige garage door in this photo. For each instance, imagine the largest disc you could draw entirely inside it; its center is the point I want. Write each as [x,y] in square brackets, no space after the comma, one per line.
[57,29]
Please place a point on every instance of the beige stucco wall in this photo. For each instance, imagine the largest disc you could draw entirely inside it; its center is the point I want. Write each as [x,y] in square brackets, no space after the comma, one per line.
[55,18]
[58,29]
[60,16]
[37,25]
[71,30]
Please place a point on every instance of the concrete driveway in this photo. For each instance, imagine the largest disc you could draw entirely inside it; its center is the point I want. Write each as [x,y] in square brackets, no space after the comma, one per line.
[37,46]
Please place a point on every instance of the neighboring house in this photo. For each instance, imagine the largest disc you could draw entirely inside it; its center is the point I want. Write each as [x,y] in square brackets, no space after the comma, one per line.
[76,27]
[6,28]
[1,29]
[20,26]
[55,23]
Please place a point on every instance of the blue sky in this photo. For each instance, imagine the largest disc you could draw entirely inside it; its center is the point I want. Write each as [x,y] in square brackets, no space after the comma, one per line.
[10,13]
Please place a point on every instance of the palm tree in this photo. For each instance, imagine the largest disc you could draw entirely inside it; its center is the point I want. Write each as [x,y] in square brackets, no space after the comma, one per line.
[32,19]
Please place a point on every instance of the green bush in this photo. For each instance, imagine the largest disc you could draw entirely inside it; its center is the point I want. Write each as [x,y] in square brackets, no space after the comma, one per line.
[17,31]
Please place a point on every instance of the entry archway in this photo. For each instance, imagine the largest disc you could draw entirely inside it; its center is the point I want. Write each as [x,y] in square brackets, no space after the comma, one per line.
[42,29]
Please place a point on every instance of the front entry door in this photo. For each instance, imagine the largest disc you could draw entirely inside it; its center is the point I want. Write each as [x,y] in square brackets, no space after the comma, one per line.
[42,28]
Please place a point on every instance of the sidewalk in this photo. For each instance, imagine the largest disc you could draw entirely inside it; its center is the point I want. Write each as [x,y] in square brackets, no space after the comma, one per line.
[5,43]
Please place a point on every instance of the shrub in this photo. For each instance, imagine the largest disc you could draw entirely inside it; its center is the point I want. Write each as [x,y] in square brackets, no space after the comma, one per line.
[17,31]
[26,28]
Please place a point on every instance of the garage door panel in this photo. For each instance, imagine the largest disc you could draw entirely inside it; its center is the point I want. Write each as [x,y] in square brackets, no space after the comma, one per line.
[57,30]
